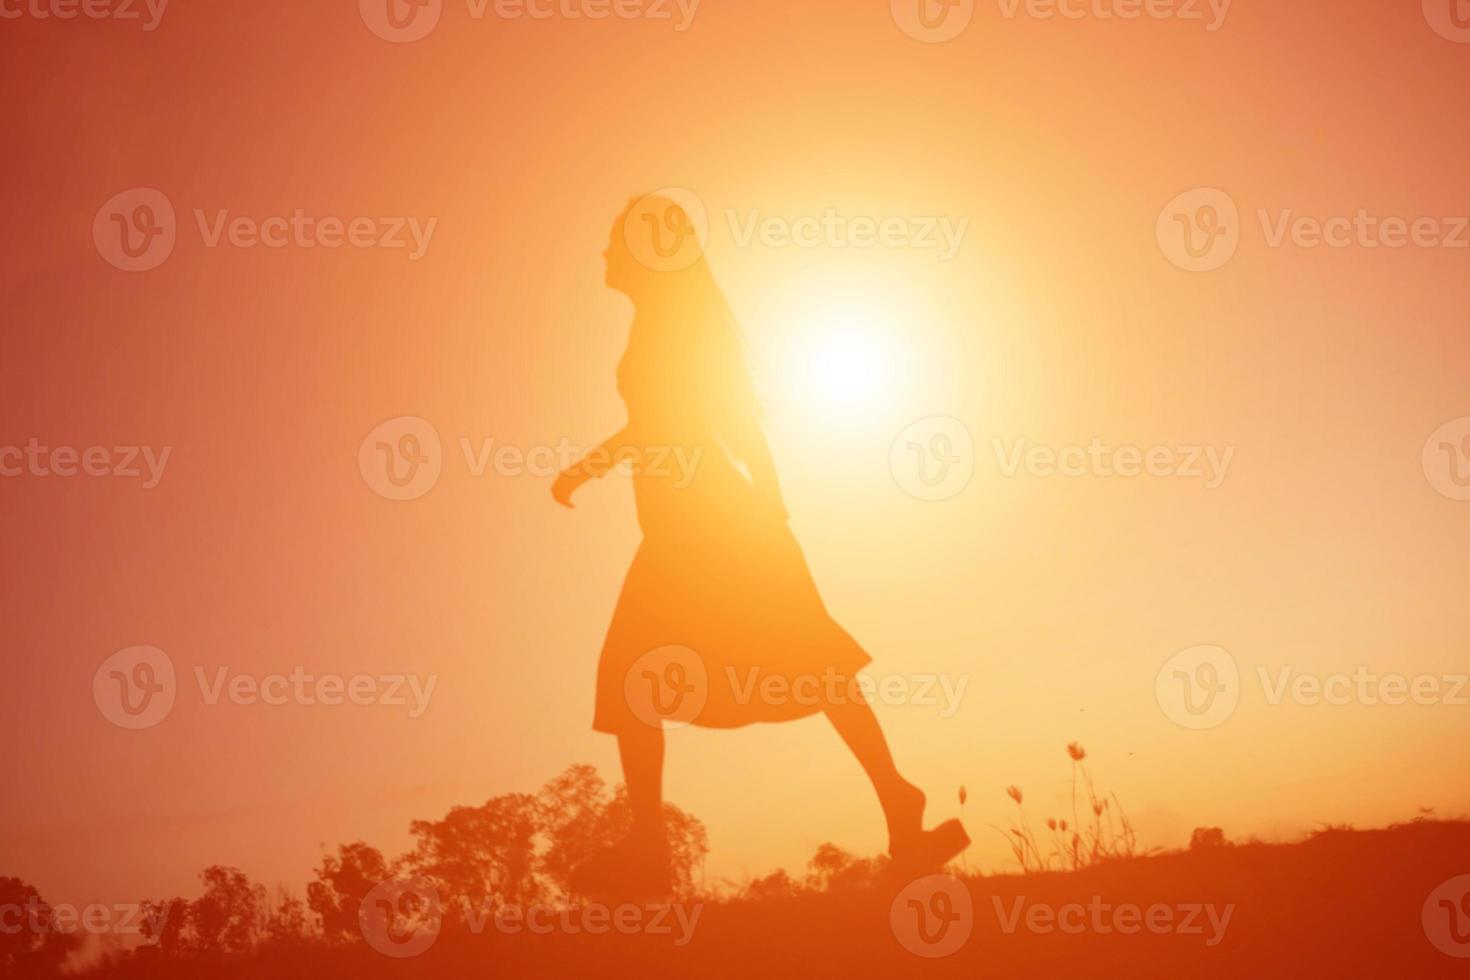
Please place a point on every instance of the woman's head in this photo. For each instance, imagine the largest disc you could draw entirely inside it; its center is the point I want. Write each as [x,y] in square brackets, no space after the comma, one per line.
[656,248]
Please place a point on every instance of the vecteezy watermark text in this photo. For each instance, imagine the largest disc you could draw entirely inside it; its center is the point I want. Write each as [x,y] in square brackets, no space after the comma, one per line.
[833,229]
[678,463]
[407,21]
[1124,918]
[119,462]
[137,688]
[680,12]
[136,230]
[404,916]
[119,10]
[304,688]
[670,686]
[676,920]
[831,686]
[302,230]
[43,918]
[1201,687]
[403,458]
[1362,686]
[1212,13]
[934,916]
[937,21]
[934,459]
[1200,230]
[1097,459]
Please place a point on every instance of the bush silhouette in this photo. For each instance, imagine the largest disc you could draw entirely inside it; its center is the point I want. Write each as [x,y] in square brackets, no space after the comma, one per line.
[29,942]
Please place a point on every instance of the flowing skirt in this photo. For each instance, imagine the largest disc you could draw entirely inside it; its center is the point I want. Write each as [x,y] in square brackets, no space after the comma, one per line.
[721,626]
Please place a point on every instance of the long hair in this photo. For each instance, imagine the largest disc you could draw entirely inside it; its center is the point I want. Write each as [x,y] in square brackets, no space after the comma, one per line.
[687,322]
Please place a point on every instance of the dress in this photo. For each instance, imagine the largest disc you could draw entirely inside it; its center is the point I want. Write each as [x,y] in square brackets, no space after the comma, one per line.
[719,603]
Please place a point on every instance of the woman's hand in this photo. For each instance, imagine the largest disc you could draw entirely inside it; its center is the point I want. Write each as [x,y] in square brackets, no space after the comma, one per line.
[590,467]
[566,484]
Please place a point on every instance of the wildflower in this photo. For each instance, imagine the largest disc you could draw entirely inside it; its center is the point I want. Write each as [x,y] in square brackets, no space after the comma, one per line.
[1051,823]
[963,796]
[1097,809]
[1014,793]
[1077,752]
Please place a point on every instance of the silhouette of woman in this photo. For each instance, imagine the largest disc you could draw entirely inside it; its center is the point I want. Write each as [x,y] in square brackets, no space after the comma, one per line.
[719,622]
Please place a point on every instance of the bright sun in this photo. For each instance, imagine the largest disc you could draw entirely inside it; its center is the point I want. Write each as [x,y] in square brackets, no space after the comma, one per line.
[840,363]
[844,367]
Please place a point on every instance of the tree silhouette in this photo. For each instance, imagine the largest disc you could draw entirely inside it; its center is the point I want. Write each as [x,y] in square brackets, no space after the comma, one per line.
[230,916]
[288,924]
[518,849]
[476,854]
[342,883]
[579,819]
[833,869]
[30,943]
[572,807]
[776,885]
[165,925]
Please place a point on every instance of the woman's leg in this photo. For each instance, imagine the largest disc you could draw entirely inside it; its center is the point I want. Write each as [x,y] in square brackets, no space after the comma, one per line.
[902,801]
[642,751]
[637,865]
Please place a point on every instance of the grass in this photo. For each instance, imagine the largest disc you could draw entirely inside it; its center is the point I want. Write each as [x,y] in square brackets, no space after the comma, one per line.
[1104,834]
[1341,903]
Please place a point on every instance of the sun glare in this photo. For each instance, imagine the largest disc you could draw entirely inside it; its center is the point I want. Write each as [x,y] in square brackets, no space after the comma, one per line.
[845,367]
[840,364]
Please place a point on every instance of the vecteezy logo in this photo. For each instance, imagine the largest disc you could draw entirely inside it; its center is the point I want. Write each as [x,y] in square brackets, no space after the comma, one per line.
[667,230]
[402,458]
[667,687]
[1447,459]
[932,21]
[1199,687]
[1199,230]
[401,21]
[401,917]
[136,229]
[934,458]
[1446,917]
[679,227]
[135,687]
[933,916]
[1449,18]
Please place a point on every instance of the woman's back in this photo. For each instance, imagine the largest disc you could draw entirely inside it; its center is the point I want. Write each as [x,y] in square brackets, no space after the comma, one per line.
[681,434]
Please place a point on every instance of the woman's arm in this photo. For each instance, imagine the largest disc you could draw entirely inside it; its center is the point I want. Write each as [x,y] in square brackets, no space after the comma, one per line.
[597,461]
[748,443]
[593,465]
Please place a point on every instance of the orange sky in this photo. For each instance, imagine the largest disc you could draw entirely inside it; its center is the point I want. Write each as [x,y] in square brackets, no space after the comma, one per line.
[1059,319]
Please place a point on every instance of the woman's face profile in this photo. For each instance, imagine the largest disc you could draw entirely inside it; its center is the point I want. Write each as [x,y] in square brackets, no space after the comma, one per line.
[651,242]
[621,273]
